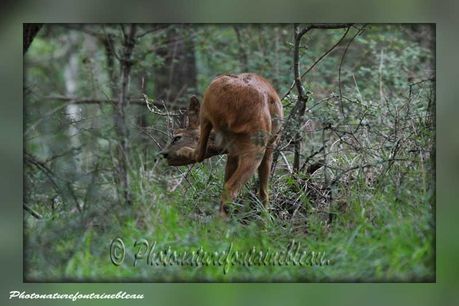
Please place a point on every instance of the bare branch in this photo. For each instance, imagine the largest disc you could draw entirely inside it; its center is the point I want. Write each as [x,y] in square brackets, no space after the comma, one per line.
[390,160]
[32,212]
[341,64]
[154,109]
[318,60]
[132,101]
[330,26]
[155,29]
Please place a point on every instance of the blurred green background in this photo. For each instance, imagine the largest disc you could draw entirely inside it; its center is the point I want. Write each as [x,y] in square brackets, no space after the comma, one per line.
[12,16]
[74,173]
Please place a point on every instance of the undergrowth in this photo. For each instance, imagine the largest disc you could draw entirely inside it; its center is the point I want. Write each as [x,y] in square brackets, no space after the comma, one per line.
[377,233]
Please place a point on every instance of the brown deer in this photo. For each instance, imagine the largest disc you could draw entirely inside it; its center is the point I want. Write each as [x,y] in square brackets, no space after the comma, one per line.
[241,115]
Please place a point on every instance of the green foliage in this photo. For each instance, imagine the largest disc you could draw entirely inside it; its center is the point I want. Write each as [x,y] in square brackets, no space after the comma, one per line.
[378,237]
[369,206]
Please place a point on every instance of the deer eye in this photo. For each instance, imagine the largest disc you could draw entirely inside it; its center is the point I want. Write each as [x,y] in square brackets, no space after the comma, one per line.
[175,139]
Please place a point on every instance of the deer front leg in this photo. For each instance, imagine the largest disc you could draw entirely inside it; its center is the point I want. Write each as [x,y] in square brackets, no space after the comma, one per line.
[200,152]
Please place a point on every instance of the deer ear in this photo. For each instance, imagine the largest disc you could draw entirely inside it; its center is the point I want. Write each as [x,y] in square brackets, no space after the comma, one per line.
[193,112]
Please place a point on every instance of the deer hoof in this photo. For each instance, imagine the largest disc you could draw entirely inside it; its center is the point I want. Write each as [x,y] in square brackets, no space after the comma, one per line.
[223,213]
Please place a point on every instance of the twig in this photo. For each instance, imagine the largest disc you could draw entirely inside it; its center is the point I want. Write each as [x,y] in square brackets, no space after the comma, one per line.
[153,30]
[32,212]
[286,162]
[329,26]
[151,105]
[310,157]
[338,177]
[51,177]
[317,61]
[341,64]
[134,101]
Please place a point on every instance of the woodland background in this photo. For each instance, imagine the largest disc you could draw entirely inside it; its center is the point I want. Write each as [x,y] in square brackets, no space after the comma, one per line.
[354,174]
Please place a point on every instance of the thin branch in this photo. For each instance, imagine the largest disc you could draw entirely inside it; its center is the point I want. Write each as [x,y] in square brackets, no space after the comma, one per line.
[32,212]
[154,109]
[390,160]
[311,156]
[53,178]
[341,64]
[286,162]
[422,81]
[133,101]
[318,60]
[330,26]
[108,42]
[30,159]
[155,29]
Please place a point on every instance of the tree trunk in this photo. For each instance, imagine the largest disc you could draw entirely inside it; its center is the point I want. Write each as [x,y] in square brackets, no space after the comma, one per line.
[300,106]
[72,111]
[122,167]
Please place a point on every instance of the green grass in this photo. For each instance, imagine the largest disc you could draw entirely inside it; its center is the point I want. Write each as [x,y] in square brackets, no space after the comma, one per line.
[380,233]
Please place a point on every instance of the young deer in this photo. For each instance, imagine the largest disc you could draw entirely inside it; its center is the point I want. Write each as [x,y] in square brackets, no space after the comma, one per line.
[241,116]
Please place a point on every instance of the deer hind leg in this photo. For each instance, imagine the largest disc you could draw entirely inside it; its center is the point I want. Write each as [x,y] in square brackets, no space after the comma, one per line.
[206,127]
[264,171]
[246,167]
[231,165]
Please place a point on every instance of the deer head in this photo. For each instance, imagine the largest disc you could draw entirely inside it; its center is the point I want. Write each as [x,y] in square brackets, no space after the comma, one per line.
[185,140]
